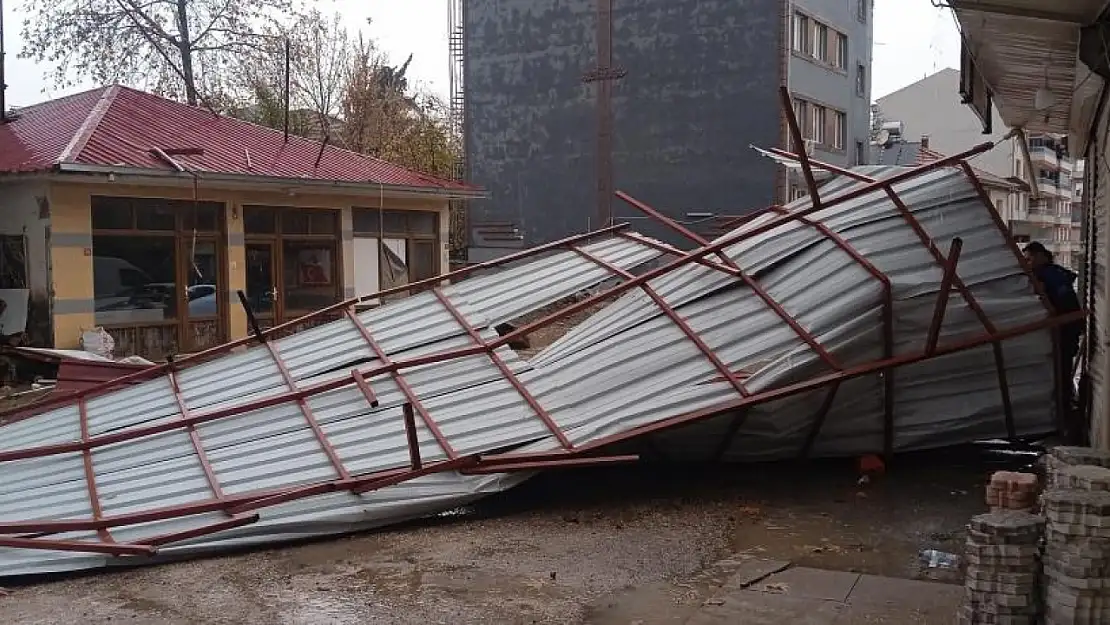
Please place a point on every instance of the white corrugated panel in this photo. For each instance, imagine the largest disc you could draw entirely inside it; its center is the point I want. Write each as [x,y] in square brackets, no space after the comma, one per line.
[627,366]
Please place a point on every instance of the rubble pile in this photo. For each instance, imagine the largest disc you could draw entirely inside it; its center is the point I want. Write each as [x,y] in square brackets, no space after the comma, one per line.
[1009,490]
[1077,555]
[1002,554]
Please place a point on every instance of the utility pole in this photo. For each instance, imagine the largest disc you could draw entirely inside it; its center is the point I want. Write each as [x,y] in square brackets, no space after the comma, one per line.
[604,74]
[3,64]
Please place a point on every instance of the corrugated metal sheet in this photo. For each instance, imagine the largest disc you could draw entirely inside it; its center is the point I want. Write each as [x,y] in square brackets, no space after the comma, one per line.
[130,123]
[1099,321]
[628,366]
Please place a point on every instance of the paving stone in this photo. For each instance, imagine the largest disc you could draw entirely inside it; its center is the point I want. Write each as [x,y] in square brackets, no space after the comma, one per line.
[1080,455]
[1083,477]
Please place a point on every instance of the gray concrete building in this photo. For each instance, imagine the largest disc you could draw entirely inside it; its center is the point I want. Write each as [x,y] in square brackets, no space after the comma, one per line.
[693,84]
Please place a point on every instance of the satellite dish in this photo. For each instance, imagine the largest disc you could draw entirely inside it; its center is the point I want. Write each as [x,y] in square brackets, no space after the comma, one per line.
[882,137]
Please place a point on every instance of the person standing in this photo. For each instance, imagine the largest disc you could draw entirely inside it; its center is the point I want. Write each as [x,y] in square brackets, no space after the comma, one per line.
[1058,284]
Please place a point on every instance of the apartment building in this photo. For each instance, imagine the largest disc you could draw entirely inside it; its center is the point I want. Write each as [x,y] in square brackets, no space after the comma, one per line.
[932,108]
[662,101]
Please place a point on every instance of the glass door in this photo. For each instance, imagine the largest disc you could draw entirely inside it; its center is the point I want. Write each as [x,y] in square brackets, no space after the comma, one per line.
[201,319]
[262,283]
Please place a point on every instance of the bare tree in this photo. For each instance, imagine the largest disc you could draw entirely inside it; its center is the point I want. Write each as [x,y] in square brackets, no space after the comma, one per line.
[177,47]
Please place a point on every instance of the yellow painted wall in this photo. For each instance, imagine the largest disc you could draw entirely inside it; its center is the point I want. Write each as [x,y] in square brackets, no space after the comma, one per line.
[73,266]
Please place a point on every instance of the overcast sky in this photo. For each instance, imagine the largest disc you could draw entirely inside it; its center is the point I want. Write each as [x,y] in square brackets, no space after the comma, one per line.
[912,40]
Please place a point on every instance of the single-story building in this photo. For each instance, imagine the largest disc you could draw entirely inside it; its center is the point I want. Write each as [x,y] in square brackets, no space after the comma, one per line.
[145,216]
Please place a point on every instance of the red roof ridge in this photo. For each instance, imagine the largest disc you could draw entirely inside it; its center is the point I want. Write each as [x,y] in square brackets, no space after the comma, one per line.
[89,126]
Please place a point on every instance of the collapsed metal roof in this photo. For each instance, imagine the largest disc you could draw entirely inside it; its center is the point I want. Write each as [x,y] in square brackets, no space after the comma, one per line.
[893,313]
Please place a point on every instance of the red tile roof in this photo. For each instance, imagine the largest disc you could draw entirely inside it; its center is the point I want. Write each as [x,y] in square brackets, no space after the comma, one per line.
[117,126]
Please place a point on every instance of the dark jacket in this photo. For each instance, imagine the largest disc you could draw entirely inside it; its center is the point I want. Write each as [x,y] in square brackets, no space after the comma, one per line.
[1059,287]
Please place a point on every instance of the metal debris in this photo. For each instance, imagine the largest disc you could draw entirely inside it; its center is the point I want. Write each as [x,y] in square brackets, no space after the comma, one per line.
[836,328]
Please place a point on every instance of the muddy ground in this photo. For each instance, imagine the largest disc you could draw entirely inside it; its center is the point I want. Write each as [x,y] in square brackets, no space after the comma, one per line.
[564,548]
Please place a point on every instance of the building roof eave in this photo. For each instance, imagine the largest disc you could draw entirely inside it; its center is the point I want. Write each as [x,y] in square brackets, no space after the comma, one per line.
[157,176]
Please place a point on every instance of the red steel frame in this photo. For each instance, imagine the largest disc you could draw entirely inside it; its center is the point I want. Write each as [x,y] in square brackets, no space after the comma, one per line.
[237,506]
[941,261]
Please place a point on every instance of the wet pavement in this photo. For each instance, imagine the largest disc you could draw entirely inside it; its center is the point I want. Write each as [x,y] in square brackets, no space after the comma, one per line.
[589,546]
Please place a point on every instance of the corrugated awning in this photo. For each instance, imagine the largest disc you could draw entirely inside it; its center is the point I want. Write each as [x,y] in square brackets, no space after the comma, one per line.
[1022,46]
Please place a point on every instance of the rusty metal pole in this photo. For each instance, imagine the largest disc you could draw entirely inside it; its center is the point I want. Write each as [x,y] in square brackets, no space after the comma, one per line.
[604,73]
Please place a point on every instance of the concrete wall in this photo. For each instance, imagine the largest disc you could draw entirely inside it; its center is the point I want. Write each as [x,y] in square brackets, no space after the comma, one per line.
[24,211]
[71,243]
[932,106]
[701,85]
[837,88]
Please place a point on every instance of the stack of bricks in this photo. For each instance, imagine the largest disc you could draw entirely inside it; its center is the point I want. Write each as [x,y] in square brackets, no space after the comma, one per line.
[1077,549]
[1060,458]
[1002,553]
[1008,490]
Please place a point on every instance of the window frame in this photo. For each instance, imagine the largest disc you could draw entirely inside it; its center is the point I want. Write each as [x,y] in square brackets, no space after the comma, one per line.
[862,9]
[840,129]
[183,237]
[413,238]
[819,117]
[801,40]
[841,60]
[861,79]
[820,42]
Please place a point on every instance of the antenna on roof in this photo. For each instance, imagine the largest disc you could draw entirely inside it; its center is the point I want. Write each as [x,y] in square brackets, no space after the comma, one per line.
[287,55]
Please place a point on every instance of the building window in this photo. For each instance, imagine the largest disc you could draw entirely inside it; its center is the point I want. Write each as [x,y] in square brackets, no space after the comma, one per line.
[157,273]
[408,246]
[821,42]
[292,261]
[801,34]
[861,157]
[818,124]
[841,60]
[840,130]
[861,10]
[861,80]
[801,115]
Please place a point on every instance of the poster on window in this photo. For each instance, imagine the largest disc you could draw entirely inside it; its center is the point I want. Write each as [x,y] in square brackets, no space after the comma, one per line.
[314,267]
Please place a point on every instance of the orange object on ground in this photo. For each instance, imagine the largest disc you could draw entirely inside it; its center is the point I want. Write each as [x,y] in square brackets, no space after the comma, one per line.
[871,465]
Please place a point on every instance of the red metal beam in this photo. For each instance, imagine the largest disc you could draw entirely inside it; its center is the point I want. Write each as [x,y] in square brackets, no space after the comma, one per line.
[90,473]
[799,143]
[735,270]
[364,386]
[819,419]
[205,530]
[673,315]
[306,412]
[402,383]
[1061,402]
[887,319]
[538,465]
[506,372]
[943,295]
[410,435]
[194,438]
[114,549]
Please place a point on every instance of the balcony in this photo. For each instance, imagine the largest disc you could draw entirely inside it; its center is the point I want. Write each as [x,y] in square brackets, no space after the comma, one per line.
[1046,157]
